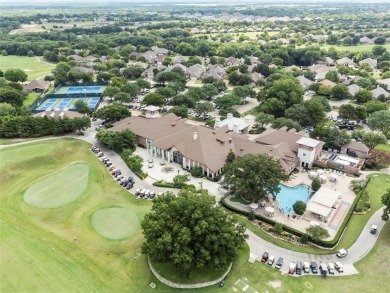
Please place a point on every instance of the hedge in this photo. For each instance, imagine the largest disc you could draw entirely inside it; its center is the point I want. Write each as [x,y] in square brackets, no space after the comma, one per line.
[326,244]
[141,175]
[164,184]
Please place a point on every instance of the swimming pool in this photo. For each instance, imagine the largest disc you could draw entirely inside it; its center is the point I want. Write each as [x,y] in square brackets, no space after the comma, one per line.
[289,195]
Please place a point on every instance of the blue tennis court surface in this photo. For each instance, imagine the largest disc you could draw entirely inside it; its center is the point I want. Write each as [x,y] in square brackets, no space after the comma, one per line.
[67,103]
[85,89]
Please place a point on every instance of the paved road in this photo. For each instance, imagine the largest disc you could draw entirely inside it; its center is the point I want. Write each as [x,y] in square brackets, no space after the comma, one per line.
[357,251]
[257,245]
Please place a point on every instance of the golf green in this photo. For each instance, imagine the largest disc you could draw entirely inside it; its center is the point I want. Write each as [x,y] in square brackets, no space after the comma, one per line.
[58,189]
[115,223]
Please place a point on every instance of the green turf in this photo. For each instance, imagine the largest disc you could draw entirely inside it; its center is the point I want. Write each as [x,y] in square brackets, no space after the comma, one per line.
[383,147]
[42,256]
[34,68]
[115,223]
[30,99]
[12,156]
[58,189]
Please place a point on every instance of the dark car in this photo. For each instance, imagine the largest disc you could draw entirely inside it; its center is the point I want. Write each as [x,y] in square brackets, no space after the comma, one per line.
[298,268]
[265,257]
[279,263]
[314,267]
[130,179]
[129,185]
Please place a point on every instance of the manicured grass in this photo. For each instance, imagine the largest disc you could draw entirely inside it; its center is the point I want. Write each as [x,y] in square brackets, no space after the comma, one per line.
[355,49]
[7,141]
[239,199]
[41,254]
[383,147]
[30,99]
[115,223]
[170,272]
[34,68]
[375,188]
[58,189]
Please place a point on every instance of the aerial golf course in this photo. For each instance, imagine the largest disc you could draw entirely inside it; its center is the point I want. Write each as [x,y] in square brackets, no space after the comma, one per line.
[66,226]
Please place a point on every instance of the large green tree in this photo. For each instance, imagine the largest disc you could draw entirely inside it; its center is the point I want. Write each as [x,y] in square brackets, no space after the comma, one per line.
[254,176]
[386,202]
[153,99]
[82,107]
[113,112]
[11,96]
[317,233]
[263,119]
[339,91]
[117,140]
[191,233]
[380,121]
[15,75]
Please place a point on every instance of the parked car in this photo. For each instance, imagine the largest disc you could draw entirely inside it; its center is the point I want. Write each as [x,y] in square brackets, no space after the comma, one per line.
[146,194]
[314,267]
[160,194]
[114,171]
[137,191]
[271,260]
[150,165]
[331,268]
[342,253]
[111,168]
[119,178]
[306,267]
[291,269]
[100,154]
[298,268]
[152,194]
[264,258]
[142,192]
[129,185]
[108,164]
[374,229]
[279,263]
[339,267]
[323,270]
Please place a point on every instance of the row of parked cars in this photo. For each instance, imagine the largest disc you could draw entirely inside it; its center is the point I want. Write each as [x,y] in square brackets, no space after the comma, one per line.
[125,182]
[300,267]
[146,194]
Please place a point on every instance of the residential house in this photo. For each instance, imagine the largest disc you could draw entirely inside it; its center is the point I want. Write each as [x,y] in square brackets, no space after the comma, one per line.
[353,89]
[179,60]
[37,86]
[379,91]
[236,125]
[195,71]
[159,51]
[371,62]
[255,77]
[328,83]
[366,41]
[231,61]
[150,56]
[385,82]
[304,82]
[345,61]
[217,72]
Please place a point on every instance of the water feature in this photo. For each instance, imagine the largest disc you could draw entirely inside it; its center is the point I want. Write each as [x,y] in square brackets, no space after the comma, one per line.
[289,195]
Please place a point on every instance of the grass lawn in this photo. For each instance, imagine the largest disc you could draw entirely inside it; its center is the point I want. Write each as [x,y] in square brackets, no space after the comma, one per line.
[352,49]
[34,68]
[40,242]
[30,99]
[7,141]
[383,147]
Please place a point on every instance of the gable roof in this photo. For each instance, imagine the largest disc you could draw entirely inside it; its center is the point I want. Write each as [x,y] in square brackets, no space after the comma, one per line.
[379,91]
[353,89]
[37,84]
[357,146]
[304,82]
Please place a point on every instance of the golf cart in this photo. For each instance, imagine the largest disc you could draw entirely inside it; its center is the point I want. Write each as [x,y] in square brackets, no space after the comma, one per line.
[342,253]
[373,230]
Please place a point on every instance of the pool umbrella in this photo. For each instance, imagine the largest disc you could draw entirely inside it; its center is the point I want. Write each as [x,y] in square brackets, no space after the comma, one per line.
[323,177]
[313,174]
[253,206]
[320,172]
[270,211]
[334,176]
[314,223]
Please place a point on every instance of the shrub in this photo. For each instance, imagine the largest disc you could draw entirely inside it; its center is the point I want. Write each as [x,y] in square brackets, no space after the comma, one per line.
[304,238]
[279,228]
[315,184]
[197,172]
[180,180]
[251,216]
[299,207]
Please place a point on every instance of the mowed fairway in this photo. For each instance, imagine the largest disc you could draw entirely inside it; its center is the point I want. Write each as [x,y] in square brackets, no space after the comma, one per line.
[58,189]
[37,248]
[35,67]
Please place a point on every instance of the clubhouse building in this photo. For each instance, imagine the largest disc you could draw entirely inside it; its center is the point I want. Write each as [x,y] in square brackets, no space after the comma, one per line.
[172,139]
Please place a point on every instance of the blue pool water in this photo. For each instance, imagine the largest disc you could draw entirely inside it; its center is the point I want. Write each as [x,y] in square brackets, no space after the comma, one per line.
[289,195]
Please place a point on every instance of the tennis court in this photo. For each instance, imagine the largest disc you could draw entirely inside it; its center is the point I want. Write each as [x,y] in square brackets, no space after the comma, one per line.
[80,90]
[67,103]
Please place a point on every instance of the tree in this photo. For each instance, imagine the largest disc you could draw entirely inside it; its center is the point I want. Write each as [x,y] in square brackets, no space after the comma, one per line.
[193,233]
[286,122]
[204,108]
[298,113]
[372,139]
[380,121]
[339,91]
[386,202]
[110,91]
[230,157]
[299,207]
[227,101]
[181,111]
[166,92]
[347,112]
[374,106]
[337,138]
[11,96]
[243,92]
[332,76]
[363,96]
[153,99]
[131,89]
[122,97]
[210,90]
[361,113]
[273,106]
[278,228]
[378,159]
[135,162]
[7,110]
[316,184]
[60,72]
[113,112]
[143,84]
[180,180]
[317,233]
[254,176]
[81,123]
[323,101]
[82,107]
[15,75]
[263,119]
[117,140]
[286,90]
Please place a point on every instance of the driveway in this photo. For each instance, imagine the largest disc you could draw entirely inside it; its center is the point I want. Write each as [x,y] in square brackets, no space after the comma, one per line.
[357,251]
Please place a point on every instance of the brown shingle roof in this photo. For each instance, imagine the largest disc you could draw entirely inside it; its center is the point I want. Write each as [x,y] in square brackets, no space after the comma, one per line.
[357,146]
